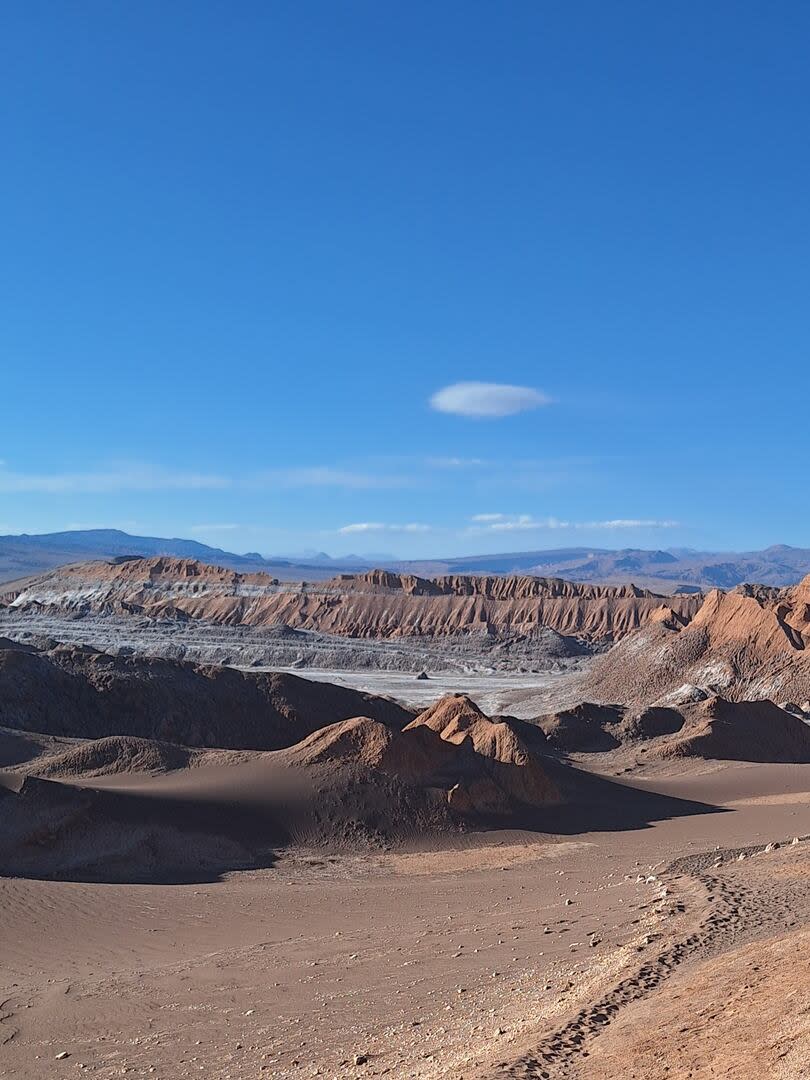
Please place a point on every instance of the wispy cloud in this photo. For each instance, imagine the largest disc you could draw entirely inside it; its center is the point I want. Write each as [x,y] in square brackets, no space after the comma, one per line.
[379,526]
[454,462]
[499,523]
[117,478]
[326,476]
[504,523]
[127,477]
[483,400]
[629,523]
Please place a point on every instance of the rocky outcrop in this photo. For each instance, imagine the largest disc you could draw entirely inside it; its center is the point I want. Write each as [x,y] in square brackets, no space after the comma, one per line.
[503,763]
[751,643]
[378,604]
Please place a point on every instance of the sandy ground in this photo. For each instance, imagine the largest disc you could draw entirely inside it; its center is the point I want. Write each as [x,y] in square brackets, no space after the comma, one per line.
[744,1014]
[463,962]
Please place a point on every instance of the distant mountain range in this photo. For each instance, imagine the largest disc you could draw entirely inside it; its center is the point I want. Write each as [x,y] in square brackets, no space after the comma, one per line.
[662,570]
[21,556]
[677,569]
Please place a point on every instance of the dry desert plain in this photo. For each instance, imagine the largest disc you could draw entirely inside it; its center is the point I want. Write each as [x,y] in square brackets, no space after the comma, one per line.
[428,892]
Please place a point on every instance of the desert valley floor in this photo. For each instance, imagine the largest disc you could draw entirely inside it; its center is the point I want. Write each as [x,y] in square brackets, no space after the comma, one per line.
[461,961]
[490,871]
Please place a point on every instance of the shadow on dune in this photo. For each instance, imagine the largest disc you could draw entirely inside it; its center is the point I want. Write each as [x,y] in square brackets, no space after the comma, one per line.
[593,803]
[56,831]
[196,825]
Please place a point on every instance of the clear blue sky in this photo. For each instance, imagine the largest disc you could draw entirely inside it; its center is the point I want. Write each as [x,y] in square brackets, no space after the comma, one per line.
[244,244]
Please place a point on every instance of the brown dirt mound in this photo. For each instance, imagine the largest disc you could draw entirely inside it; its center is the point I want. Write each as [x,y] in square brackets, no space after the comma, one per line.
[111,756]
[585,727]
[53,830]
[456,717]
[359,739]
[81,693]
[482,767]
[738,731]
[416,756]
[650,723]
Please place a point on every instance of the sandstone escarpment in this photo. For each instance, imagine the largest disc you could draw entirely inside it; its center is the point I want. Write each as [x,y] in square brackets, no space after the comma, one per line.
[378,604]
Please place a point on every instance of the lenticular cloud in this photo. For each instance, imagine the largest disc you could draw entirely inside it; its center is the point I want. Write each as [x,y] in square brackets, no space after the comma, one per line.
[487,400]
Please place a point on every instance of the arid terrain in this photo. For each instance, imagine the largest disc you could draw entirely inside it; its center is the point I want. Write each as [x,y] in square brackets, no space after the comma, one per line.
[404,563]
[476,827]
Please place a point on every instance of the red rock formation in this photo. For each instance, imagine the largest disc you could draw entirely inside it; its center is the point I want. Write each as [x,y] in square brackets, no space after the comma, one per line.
[751,643]
[378,604]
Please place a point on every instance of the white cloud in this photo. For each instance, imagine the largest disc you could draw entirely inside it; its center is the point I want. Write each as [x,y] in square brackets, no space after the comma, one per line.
[526,523]
[501,523]
[379,526]
[117,478]
[487,400]
[629,523]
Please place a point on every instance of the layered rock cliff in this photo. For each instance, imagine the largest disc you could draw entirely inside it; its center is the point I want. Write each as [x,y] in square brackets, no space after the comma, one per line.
[378,604]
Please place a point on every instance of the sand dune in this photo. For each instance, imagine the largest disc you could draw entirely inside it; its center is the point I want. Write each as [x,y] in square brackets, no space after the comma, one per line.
[134,809]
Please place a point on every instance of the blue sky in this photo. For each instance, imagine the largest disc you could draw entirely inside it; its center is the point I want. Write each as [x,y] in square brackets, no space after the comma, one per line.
[247,248]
